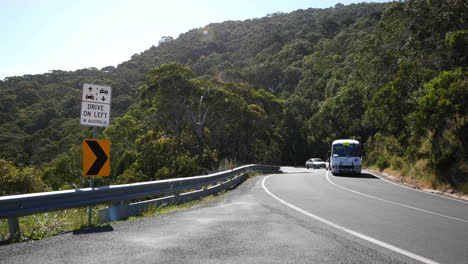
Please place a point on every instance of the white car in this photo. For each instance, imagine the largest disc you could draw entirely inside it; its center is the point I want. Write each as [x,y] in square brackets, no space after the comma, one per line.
[315,163]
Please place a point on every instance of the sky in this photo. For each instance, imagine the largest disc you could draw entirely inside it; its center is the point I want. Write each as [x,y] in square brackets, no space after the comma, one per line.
[37,36]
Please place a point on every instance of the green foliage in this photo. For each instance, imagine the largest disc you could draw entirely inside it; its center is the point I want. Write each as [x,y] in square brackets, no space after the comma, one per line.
[227,164]
[39,117]
[40,226]
[131,175]
[396,163]
[445,98]
[123,134]
[184,125]
[162,157]
[397,99]
[273,90]
[443,110]
[65,172]
[385,152]
[14,180]
[441,161]
[382,163]
[458,44]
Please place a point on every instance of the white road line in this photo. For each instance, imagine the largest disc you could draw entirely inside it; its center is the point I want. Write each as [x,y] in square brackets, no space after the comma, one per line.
[349,231]
[406,187]
[387,201]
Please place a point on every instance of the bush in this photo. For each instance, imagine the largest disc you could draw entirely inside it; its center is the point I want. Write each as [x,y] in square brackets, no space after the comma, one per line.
[442,161]
[382,163]
[132,175]
[19,179]
[226,164]
[371,157]
[164,173]
[65,170]
[396,163]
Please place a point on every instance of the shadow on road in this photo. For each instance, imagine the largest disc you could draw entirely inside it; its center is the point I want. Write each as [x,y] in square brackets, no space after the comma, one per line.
[99,229]
[301,172]
[362,176]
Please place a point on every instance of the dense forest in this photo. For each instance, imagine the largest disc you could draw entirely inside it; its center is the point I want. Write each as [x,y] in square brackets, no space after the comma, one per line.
[272,90]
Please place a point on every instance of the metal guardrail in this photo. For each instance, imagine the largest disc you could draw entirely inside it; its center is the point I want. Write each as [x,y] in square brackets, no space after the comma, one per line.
[122,212]
[15,206]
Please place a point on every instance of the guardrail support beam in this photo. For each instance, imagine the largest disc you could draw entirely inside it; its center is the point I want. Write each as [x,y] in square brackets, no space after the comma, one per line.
[13,224]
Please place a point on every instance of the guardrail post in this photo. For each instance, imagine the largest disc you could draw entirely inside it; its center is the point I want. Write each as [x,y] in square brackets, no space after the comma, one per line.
[14,227]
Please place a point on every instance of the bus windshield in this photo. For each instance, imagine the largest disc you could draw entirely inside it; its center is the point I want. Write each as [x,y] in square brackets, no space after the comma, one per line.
[346,150]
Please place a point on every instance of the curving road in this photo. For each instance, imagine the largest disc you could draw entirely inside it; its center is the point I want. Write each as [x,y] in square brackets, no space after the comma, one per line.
[421,226]
[300,216]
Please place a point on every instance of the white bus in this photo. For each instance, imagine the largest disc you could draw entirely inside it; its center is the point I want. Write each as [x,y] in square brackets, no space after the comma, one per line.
[345,157]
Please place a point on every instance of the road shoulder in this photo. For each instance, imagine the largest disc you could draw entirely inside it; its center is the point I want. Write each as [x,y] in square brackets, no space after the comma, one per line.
[401,182]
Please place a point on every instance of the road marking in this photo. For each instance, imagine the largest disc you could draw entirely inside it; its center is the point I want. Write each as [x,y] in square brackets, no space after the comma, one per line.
[387,201]
[406,187]
[349,231]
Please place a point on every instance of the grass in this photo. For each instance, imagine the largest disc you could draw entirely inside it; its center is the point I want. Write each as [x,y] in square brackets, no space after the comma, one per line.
[372,166]
[40,226]
[420,176]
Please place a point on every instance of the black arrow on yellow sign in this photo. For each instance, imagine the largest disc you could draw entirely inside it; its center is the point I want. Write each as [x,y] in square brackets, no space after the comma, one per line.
[96,160]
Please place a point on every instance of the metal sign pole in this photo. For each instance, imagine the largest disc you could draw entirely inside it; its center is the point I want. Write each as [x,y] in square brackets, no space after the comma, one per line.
[91,183]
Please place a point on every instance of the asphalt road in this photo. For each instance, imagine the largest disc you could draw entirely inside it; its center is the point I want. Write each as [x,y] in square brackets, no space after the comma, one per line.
[300,216]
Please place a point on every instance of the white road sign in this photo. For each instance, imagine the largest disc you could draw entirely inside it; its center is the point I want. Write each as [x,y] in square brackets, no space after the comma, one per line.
[95,105]
[96,94]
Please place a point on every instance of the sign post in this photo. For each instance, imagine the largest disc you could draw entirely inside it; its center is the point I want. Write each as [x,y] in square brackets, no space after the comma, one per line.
[95,112]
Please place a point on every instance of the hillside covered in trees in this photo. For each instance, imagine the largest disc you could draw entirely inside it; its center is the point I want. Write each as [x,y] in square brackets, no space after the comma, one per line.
[274,90]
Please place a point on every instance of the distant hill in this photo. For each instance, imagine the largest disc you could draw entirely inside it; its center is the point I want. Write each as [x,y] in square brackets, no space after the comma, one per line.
[39,117]
[392,75]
